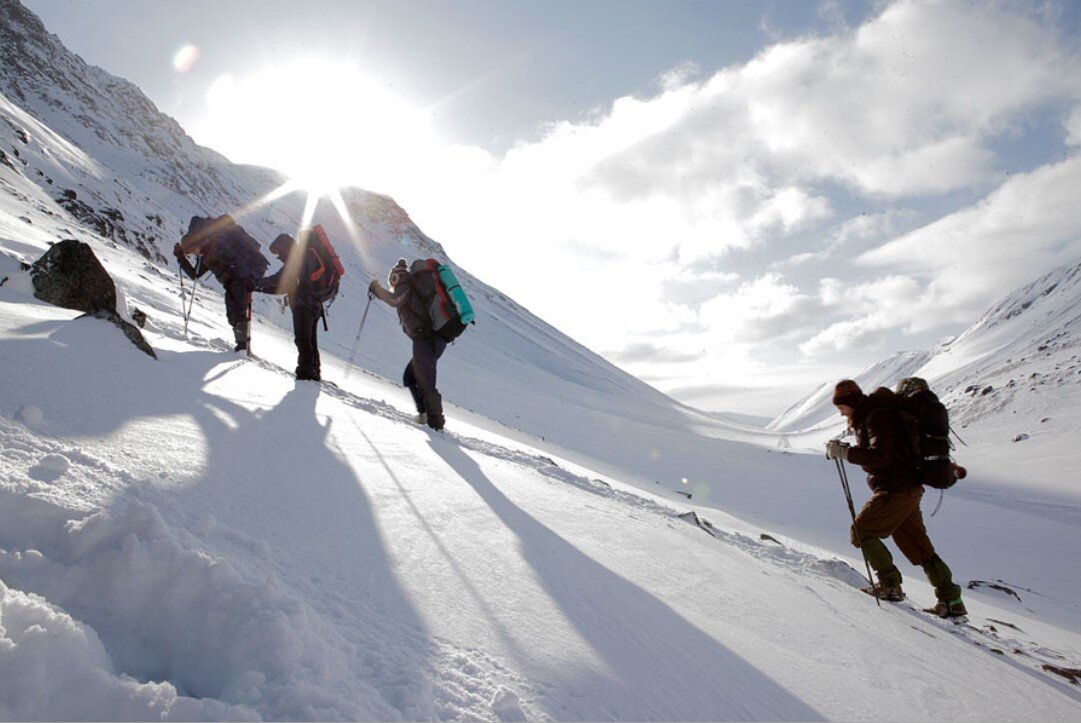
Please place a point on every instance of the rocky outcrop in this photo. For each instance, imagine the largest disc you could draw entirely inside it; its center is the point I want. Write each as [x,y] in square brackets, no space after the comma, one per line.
[70,275]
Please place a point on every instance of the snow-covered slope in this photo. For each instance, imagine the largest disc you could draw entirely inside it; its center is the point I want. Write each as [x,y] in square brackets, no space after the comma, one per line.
[202,537]
[1012,383]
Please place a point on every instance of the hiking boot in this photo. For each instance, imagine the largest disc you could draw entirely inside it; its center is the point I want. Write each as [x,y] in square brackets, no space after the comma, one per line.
[949,609]
[890,593]
[421,419]
[240,336]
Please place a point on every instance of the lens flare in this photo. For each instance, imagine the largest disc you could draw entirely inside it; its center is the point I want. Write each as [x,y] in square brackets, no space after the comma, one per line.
[185,58]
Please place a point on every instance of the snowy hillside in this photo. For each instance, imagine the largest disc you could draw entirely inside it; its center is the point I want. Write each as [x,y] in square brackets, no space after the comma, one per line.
[201,537]
[1012,383]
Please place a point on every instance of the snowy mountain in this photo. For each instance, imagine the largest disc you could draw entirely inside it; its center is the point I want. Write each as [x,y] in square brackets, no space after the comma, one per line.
[1012,382]
[202,537]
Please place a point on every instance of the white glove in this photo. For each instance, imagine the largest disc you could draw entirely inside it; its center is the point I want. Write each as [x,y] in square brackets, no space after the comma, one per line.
[836,449]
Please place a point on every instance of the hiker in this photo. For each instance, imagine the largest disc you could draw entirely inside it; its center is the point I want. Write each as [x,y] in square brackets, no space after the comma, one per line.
[296,282]
[884,452]
[226,250]
[420,373]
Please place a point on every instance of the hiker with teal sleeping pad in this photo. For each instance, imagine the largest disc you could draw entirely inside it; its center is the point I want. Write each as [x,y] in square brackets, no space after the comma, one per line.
[433,311]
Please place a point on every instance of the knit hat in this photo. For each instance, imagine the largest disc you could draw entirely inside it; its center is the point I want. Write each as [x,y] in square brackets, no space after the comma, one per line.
[847,392]
[398,274]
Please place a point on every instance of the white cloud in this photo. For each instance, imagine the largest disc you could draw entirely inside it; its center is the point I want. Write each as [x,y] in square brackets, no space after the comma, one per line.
[765,309]
[1073,127]
[957,266]
[655,190]
[969,258]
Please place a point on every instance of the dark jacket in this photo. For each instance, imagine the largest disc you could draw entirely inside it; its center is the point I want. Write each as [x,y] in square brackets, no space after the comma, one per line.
[411,312]
[882,447]
[298,288]
[223,248]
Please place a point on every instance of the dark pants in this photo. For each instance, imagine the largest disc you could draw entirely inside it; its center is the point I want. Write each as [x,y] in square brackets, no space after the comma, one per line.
[420,378]
[305,334]
[238,302]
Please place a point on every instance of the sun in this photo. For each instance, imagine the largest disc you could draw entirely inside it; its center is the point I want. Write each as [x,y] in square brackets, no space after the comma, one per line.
[324,123]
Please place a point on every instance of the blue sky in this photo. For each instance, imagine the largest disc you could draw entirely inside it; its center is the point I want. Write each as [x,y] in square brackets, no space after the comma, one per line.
[738,200]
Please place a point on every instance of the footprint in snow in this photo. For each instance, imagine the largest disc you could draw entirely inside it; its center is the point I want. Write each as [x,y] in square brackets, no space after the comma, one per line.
[50,468]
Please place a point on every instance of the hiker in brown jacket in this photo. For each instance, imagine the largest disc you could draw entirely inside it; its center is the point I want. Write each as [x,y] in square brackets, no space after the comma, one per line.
[884,452]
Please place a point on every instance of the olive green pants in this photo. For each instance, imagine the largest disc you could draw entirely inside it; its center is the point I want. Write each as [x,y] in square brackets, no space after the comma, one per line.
[897,515]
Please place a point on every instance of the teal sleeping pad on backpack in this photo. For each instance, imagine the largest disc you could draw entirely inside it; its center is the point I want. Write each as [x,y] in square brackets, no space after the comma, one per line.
[456,294]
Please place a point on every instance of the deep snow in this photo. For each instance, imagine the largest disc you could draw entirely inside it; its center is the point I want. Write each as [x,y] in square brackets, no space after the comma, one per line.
[202,537]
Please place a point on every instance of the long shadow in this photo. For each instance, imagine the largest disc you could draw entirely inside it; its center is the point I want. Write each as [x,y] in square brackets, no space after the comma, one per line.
[653,655]
[270,489]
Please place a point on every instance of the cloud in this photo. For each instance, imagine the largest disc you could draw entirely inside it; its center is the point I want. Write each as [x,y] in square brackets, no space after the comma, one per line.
[729,172]
[645,352]
[762,310]
[693,289]
[969,258]
[949,271]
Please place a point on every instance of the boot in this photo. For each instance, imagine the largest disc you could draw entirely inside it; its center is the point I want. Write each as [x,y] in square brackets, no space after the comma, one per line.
[421,419]
[949,609]
[240,333]
[890,593]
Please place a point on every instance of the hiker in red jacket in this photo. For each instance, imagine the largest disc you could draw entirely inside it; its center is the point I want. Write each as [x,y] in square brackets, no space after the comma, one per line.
[420,373]
[882,449]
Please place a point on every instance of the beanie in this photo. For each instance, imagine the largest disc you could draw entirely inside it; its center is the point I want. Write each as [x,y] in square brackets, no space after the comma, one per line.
[847,392]
[398,273]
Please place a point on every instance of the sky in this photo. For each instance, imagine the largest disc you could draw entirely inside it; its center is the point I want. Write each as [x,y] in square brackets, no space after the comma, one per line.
[734,201]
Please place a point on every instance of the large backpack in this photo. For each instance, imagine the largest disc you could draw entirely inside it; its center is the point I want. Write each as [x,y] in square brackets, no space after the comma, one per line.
[327,277]
[448,308]
[229,250]
[929,418]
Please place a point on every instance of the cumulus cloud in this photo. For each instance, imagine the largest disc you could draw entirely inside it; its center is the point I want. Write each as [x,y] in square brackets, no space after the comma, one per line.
[762,310]
[761,157]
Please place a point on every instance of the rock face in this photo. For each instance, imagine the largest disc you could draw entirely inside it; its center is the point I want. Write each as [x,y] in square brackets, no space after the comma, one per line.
[70,275]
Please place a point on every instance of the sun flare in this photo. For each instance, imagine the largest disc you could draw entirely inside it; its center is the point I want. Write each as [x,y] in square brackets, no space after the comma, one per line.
[323,123]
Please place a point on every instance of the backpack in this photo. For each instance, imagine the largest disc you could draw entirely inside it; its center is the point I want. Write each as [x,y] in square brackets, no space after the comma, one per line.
[325,279]
[230,251]
[928,419]
[448,308]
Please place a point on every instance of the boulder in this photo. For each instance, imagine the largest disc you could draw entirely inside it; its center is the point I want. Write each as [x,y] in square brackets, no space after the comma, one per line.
[70,275]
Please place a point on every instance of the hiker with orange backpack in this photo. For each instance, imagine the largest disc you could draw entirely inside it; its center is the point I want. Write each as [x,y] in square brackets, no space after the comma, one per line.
[890,459]
[309,278]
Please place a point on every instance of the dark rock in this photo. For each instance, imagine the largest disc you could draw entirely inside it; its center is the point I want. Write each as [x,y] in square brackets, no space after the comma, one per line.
[139,317]
[129,329]
[70,275]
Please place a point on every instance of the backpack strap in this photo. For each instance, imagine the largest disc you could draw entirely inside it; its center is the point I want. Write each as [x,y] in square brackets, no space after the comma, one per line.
[316,275]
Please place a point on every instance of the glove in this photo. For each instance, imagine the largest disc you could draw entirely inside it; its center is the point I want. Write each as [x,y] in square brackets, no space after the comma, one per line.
[836,449]
[178,252]
[373,286]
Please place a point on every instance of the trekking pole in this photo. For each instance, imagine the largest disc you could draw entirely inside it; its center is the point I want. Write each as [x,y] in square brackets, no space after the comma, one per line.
[248,340]
[356,343]
[855,529]
[183,297]
[191,303]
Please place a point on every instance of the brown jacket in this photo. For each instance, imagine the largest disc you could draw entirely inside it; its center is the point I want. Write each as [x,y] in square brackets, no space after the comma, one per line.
[881,447]
[411,313]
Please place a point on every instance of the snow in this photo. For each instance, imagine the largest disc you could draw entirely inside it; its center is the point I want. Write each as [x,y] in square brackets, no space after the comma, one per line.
[202,537]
